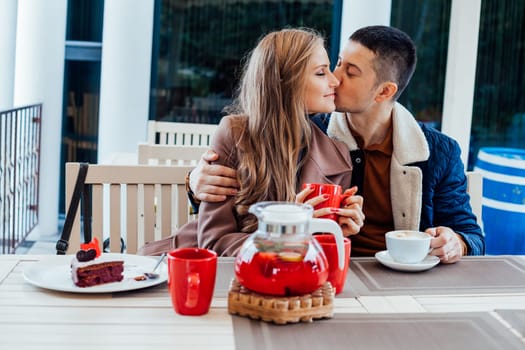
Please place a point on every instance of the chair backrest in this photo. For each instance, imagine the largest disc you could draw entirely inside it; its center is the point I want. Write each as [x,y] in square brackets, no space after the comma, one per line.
[139,203]
[169,155]
[180,134]
[475,191]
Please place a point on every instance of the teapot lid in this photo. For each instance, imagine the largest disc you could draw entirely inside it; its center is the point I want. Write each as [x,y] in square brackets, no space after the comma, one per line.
[282,217]
[284,214]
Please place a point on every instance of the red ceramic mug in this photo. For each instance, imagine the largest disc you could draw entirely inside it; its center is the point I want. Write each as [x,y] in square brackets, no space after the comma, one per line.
[336,275]
[334,193]
[191,279]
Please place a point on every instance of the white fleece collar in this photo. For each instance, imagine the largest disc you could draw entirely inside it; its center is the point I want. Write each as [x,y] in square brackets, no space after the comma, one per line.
[410,144]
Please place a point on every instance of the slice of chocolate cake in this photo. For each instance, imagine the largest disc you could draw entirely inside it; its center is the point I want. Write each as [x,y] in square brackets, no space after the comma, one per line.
[89,270]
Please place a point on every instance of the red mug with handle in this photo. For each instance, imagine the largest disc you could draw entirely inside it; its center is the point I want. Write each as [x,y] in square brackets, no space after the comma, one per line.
[336,274]
[333,192]
[191,279]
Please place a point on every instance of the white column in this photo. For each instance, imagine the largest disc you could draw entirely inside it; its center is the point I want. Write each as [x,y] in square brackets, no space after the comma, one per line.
[362,13]
[7,52]
[125,76]
[39,77]
[461,72]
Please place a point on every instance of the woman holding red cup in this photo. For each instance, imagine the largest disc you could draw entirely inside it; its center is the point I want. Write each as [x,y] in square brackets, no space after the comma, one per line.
[330,202]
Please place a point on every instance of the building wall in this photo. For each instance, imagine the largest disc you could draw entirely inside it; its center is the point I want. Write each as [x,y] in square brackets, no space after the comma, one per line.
[8,9]
[38,78]
[125,76]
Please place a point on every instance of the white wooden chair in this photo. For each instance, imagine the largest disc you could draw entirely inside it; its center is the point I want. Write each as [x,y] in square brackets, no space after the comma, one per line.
[475,191]
[139,203]
[180,134]
[169,155]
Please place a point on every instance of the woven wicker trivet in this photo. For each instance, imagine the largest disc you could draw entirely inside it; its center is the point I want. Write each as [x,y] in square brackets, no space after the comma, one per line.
[281,310]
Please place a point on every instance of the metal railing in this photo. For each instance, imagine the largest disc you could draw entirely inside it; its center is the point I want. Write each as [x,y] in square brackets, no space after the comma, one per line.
[20,130]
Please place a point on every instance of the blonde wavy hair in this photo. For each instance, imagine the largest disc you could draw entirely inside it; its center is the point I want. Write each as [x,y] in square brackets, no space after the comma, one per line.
[271,96]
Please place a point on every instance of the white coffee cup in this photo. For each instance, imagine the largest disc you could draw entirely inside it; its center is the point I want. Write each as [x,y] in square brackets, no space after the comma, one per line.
[407,247]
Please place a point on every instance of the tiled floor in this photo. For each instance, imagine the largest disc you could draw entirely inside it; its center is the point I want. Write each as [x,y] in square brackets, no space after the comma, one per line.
[39,243]
[36,243]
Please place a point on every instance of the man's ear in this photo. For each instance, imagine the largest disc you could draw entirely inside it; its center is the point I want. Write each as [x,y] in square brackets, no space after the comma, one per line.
[386,91]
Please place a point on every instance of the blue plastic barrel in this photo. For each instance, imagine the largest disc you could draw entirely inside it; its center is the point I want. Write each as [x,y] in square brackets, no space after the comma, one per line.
[503,203]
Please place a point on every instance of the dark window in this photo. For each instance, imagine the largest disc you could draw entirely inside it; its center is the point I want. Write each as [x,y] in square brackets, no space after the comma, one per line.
[84,20]
[198,47]
[498,117]
[427,23]
[81,84]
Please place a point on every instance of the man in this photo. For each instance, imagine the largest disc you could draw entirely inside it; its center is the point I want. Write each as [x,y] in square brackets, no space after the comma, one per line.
[410,176]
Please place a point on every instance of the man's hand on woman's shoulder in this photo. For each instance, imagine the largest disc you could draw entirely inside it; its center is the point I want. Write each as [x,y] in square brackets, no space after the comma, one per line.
[212,182]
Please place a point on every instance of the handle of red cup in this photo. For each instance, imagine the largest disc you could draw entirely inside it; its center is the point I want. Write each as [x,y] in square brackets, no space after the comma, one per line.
[192,296]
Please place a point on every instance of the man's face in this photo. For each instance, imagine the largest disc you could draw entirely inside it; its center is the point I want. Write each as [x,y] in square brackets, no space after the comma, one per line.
[354,70]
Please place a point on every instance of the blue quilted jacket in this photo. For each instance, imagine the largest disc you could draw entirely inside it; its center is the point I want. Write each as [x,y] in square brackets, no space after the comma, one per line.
[445,200]
[428,181]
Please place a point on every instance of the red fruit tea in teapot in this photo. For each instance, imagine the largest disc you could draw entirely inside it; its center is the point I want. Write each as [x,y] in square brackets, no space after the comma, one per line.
[282,269]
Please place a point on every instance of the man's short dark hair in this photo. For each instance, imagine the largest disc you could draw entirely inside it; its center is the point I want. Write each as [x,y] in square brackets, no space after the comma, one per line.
[395,54]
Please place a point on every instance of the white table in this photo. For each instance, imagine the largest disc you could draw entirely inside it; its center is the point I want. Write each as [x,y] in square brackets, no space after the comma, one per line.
[35,318]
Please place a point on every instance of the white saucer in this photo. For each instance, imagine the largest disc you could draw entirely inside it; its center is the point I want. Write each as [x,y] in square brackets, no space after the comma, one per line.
[429,262]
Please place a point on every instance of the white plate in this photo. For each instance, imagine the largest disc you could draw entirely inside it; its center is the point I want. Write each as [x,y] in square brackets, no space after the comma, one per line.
[56,274]
[384,258]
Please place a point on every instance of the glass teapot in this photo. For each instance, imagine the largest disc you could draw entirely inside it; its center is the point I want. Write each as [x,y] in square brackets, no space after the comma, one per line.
[282,258]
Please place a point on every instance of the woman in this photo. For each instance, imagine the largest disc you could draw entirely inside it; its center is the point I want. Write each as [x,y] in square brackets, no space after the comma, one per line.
[270,140]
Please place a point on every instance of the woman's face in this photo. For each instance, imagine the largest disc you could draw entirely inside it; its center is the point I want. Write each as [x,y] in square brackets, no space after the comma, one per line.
[320,83]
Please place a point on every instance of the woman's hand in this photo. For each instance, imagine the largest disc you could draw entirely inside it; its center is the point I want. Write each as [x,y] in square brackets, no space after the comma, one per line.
[350,216]
[301,196]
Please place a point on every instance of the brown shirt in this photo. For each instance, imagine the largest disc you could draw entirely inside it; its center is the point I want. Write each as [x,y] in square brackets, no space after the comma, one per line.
[377,205]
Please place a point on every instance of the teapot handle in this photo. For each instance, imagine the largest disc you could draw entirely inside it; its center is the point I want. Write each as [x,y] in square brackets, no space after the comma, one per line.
[330,226]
